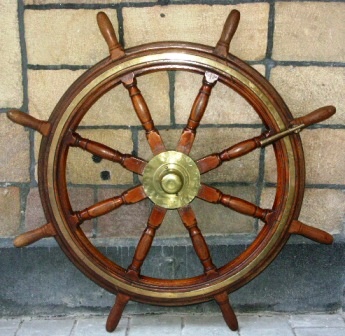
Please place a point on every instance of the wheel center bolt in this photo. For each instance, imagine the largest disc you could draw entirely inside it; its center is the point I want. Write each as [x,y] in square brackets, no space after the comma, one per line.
[172,183]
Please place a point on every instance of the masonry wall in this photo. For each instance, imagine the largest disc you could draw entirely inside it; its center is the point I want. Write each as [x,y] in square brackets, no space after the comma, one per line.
[299,46]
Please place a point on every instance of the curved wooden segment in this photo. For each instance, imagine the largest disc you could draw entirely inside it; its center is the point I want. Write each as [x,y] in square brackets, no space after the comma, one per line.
[229,30]
[153,137]
[105,26]
[228,313]
[130,196]
[198,109]
[155,220]
[200,246]
[131,163]
[214,195]
[32,236]
[27,120]
[314,117]
[310,232]
[116,312]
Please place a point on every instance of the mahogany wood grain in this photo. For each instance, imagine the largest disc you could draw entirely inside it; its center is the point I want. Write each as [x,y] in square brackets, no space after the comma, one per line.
[153,137]
[130,196]
[228,313]
[105,26]
[116,312]
[27,120]
[314,117]
[310,232]
[131,163]
[229,30]
[198,109]
[32,236]
[200,246]
[155,220]
[213,195]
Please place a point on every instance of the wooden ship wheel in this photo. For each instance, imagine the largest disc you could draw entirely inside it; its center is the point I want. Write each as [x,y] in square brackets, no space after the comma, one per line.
[171,179]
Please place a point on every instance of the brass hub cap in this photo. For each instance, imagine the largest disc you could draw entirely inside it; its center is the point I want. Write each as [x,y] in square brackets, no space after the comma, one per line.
[171,179]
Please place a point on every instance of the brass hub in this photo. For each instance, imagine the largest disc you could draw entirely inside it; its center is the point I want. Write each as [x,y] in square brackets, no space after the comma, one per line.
[171,179]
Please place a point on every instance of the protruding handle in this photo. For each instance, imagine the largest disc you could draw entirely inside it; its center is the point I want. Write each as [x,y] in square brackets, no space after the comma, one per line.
[108,32]
[32,236]
[310,232]
[25,119]
[314,117]
[229,29]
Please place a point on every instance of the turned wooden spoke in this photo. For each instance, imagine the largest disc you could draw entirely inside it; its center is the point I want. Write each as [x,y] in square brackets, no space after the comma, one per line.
[153,137]
[130,196]
[213,161]
[228,313]
[200,246]
[133,164]
[214,195]
[116,312]
[198,109]
[155,220]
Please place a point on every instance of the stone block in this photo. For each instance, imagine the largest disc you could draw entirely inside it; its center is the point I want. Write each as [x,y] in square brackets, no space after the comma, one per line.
[37,327]
[94,326]
[319,331]
[126,221]
[324,164]
[65,36]
[305,89]
[225,105]
[46,87]
[309,31]
[80,198]
[200,24]
[14,153]
[213,140]
[204,326]
[44,2]
[115,107]
[11,87]
[316,321]
[84,168]
[10,211]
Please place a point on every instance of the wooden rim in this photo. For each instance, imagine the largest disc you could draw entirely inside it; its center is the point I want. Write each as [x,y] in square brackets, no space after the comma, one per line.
[140,61]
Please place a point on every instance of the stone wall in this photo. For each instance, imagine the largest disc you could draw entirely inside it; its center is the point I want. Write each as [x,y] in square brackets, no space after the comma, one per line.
[297,45]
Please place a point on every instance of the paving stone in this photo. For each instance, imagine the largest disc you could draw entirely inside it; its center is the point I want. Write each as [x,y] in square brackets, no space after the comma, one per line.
[14,151]
[211,140]
[46,87]
[205,326]
[317,321]
[225,105]
[9,327]
[10,57]
[305,89]
[82,169]
[199,23]
[43,2]
[319,331]
[94,326]
[154,325]
[126,221]
[309,31]
[65,36]
[115,107]
[40,327]
[10,211]
[264,325]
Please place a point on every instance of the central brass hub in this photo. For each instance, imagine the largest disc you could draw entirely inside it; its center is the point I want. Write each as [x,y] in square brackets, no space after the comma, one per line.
[171,179]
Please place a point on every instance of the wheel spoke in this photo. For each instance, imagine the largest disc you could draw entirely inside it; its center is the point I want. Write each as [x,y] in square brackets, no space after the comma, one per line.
[131,163]
[200,246]
[214,195]
[155,220]
[153,137]
[130,196]
[188,135]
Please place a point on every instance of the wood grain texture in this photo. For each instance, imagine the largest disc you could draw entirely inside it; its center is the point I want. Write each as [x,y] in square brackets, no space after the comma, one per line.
[32,236]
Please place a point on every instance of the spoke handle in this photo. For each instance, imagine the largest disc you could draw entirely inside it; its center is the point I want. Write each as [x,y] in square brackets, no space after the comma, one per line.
[27,120]
[108,32]
[310,232]
[32,236]
[229,30]
[316,116]
[240,149]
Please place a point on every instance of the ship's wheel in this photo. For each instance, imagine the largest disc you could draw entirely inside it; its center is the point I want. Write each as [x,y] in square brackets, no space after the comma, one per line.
[171,179]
